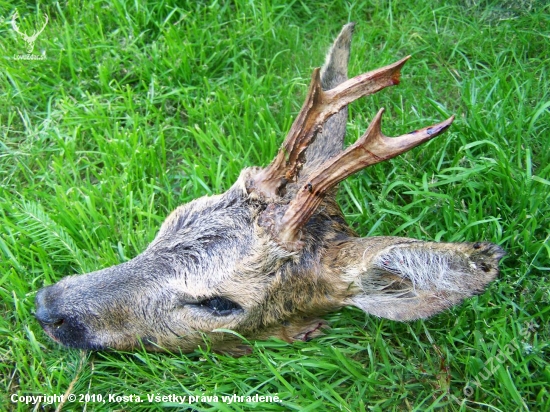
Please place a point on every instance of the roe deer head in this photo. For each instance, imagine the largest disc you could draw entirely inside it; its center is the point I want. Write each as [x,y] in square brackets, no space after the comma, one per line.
[273,254]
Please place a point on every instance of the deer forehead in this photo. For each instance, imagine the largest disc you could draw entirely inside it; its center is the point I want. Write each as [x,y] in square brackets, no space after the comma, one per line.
[213,245]
[203,240]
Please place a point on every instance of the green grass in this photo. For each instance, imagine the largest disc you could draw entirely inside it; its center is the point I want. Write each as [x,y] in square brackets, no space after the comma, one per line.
[142,106]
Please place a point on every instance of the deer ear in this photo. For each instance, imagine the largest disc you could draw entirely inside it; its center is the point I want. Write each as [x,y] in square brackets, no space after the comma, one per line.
[404,279]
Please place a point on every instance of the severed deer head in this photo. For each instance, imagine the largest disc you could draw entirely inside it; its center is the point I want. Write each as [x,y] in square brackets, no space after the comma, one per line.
[273,254]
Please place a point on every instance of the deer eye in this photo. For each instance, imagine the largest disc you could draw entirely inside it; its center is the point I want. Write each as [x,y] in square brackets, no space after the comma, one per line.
[220,306]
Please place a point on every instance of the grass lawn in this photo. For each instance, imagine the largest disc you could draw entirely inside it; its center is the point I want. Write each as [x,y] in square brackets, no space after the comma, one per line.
[138,107]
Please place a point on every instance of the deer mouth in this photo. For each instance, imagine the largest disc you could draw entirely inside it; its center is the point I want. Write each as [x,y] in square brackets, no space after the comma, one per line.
[49,330]
[67,333]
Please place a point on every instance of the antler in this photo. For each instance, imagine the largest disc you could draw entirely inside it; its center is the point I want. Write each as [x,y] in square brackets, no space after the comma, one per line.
[317,108]
[373,147]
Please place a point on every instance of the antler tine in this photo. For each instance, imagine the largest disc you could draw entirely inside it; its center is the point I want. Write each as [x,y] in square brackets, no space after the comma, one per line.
[317,108]
[371,148]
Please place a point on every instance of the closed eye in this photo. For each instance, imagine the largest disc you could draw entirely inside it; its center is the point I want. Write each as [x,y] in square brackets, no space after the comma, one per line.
[220,306]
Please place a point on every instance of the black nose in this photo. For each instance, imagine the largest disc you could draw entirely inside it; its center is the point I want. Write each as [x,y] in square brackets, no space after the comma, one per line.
[44,313]
[62,325]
